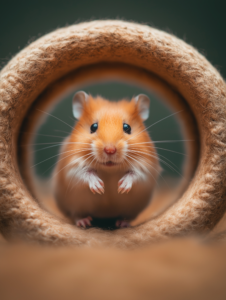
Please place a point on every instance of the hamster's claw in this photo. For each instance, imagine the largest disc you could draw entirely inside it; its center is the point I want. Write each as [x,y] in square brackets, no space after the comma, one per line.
[123,190]
[84,222]
[96,185]
[98,191]
[125,184]
[122,224]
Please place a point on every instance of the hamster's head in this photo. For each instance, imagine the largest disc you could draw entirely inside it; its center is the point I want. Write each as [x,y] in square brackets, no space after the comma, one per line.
[112,134]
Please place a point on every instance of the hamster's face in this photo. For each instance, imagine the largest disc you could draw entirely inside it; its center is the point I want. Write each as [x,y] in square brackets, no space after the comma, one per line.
[110,131]
[111,134]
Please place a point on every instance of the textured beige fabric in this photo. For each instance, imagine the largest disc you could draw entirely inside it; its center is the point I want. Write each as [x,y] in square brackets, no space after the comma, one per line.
[29,73]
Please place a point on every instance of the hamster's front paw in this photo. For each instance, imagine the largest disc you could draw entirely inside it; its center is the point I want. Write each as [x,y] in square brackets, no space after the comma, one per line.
[96,185]
[125,183]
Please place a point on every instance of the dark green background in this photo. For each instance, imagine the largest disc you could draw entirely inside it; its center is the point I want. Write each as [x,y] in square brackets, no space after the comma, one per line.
[200,23]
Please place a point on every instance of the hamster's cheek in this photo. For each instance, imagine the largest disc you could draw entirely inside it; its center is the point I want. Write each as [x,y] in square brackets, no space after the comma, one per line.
[121,154]
[97,149]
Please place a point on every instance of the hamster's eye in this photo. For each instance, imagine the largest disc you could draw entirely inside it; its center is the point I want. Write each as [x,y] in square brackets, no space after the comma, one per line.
[93,127]
[126,128]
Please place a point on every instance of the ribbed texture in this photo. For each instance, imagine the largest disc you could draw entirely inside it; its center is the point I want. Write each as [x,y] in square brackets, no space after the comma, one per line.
[177,63]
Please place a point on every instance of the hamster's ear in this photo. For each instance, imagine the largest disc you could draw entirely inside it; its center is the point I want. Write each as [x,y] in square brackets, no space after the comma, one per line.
[143,103]
[78,102]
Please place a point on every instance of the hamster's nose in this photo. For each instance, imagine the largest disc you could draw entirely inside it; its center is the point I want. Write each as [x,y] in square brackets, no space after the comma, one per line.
[110,149]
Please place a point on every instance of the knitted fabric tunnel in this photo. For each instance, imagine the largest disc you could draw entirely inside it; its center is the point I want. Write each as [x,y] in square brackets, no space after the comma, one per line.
[115,49]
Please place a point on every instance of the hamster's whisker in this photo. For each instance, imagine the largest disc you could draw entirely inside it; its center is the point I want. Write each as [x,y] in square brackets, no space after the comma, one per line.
[92,160]
[167,150]
[78,180]
[90,156]
[146,153]
[156,123]
[47,159]
[172,141]
[74,161]
[89,163]
[159,173]
[128,162]
[134,153]
[161,149]
[49,135]
[62,131]
[68,133]
[69,181]
[163,141]
[55,143]
[86,167]
[75,150]
[80,158]
[171,151]
[34,151]
[54,117]
[59,160]
[137,161]
[140,157]
[95,163]
[145,167]
[167,164]
[55,156]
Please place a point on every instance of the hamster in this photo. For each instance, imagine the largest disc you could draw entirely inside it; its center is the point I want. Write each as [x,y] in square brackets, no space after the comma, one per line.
[108,166]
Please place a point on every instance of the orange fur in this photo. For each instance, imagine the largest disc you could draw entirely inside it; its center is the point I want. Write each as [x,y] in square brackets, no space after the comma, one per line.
[83,147]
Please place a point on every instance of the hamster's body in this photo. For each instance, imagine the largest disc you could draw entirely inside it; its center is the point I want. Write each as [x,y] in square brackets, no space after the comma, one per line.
[108,166]
[110,204]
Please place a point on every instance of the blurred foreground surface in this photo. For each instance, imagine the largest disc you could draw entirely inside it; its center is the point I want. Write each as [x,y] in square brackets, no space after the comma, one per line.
[177,269]
[190,268]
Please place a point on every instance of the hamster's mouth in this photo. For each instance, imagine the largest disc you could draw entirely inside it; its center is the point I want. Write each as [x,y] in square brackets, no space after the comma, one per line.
[109,164]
